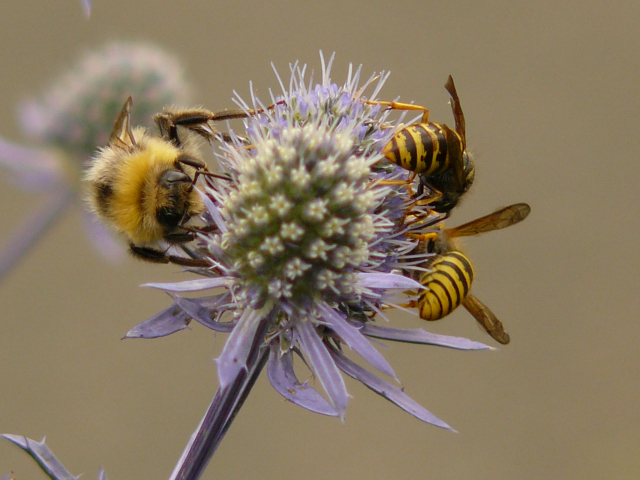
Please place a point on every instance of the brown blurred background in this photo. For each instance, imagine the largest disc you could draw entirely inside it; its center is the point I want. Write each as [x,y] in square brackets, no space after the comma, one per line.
[550,92]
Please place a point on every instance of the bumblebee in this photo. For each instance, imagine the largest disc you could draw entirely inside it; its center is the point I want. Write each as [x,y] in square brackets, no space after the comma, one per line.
[435,152]
[142,184]
[450,274]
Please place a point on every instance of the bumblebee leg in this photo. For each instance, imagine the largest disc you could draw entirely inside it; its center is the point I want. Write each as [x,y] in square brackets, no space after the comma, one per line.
[168,122]
[201,169]
[148,254]
[178,238]
[231,114]
[206,173]
[199,116]
[157,256]
[401,106]
[200,229]
[226,138]
[193,162]
[197,120]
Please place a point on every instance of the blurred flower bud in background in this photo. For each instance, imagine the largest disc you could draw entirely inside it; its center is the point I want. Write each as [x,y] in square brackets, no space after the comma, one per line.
[86,6]
[74,117]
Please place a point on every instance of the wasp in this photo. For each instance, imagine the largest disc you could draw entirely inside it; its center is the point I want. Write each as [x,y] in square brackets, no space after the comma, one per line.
[450,273]
[435,152]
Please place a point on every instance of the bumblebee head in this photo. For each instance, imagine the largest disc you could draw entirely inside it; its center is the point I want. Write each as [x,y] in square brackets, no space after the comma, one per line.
[174,194]
[160,187]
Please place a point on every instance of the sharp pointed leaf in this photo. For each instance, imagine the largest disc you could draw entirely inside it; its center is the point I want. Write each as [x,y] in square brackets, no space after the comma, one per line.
[43,456]
[283,378]
[190,285]
[358,342]
[237,347]
[388,280]
[323,366]
[386,390]
[201,313]
[168,321]
[421,336]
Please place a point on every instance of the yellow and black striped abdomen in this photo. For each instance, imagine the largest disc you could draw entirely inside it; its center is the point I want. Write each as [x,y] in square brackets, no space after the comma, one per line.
[420,148]
[448,281]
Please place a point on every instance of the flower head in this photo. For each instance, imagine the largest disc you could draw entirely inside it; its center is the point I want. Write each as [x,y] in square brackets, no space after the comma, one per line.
[309,242]
[77,112]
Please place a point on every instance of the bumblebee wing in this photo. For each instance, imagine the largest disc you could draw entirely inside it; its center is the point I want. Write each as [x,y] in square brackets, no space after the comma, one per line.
[503,218]
[457,111]
[486,319]
[122,133]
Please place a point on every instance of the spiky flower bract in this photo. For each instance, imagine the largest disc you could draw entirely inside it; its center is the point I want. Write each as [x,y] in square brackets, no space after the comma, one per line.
[306,232]
[73,116]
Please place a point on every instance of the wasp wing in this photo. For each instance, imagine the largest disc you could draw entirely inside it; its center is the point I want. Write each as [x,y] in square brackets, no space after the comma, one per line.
[457,111]
[503,218]
[455,152]
[486,319]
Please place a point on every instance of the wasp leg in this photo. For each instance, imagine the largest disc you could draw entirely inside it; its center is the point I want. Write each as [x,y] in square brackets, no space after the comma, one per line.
[400,106]
[423,237]
[410,304]
[423,202]
[394,182]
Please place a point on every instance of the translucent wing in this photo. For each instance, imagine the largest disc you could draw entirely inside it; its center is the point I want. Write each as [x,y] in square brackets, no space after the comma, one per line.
[455,151]
[122,134]
[503,218]
[486,319]
[457,111]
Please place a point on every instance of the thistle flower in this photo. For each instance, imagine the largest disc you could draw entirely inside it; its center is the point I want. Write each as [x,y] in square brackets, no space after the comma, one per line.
[307,235]
[72,118]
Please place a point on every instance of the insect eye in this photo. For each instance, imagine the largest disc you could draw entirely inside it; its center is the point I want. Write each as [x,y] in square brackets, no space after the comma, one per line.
[171,177]
[168,217]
